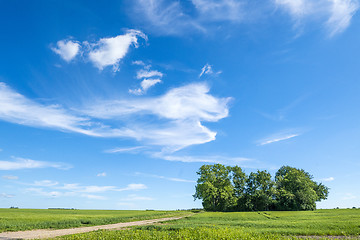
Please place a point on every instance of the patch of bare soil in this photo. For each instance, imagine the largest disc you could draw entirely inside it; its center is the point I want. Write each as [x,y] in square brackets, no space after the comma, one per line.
[46,233]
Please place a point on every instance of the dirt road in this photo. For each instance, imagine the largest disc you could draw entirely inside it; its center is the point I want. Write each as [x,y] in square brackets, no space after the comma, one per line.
[45,233]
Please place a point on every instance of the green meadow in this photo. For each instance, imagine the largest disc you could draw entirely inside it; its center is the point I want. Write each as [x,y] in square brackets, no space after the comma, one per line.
[244,225]
[28,219]
[203,225]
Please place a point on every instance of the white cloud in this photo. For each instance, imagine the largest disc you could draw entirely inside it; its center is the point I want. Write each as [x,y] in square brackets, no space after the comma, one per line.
[40,191]
[78,190]
[171,18]
[181,110]
[5,195]
[208,70]
[336,14]
[16,108]
[220,10]
[329,179]
[23,163]
[204,159]
[148,83]
[109,51]
[165,178]
[91,196]
[138,62]
[121,150]
[164,17]
[103,53]
[281,136]
[67,49]
[10,177]
[103,174]
[145,85]
[188,102]
[45,183]
[340,15]
[133,187]
[297,8]
[147,73]
[75,187]
[149,79]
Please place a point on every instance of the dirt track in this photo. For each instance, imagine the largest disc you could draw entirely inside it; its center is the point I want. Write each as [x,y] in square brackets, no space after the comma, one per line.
[45,233]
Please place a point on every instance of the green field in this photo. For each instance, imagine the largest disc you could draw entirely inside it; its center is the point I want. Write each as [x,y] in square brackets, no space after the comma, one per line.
[205,225]
[28,219]
[244,225]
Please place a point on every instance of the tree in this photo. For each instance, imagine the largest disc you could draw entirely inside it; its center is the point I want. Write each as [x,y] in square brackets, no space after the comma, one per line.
[296,190]
[214,188]
[239,180]
[259,194]
[225,188]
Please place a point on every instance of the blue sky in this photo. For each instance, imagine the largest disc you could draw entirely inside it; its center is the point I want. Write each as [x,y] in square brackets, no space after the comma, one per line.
[117,105]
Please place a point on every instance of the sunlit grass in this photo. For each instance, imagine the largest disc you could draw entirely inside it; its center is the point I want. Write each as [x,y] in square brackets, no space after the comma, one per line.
[243,225]
[28,219]
[320,222]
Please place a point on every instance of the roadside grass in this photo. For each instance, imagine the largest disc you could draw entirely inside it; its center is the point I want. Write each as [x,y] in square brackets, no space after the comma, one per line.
[29,219]
[199,233]
[243,225]
[320,222]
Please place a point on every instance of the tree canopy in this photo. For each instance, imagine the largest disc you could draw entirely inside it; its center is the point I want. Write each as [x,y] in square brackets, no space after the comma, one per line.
[227,188]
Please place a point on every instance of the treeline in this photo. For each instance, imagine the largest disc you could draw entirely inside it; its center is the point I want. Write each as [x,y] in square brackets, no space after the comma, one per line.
[227,188]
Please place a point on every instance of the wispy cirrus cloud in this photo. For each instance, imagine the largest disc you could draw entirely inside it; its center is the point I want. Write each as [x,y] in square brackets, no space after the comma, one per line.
[45,183]
[336,14]
[103,174]
[163,177]
[329,179]
[122,150]
[147,73]
[16,108]
[220,10]
[203,159]
[181,110]
[48,189]
[341,13]
[144,86]
[6,195]
[174,18]
[164,17]
[10,177]
[23,163]
[280,136]
[67,49]
[149,79]
[208,70]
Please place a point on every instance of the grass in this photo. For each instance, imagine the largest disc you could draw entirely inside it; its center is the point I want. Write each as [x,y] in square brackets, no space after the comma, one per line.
[28,219]
[243,225]
[200,233]
[320,222]
[206,225]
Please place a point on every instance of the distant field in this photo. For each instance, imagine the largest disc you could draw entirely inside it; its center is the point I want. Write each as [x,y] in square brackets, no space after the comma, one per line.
[244,225]
[28,219]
